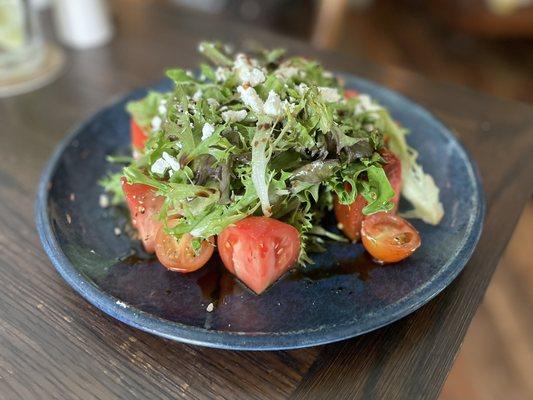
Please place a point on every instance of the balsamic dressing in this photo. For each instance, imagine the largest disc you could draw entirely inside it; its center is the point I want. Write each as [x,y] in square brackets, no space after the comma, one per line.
[216,282]
[361,266]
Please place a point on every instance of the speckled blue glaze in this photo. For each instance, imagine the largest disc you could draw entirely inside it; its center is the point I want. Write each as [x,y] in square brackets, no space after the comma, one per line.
[298,311]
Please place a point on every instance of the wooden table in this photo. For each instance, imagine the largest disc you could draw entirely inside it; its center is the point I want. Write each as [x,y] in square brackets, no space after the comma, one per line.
[54,345]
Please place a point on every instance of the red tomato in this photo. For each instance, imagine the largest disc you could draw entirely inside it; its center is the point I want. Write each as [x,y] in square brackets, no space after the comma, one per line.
[138,136]
[393,170]
[179,255]
[144,206]
[388,237]
[350,93]
[258,250]
[350,217]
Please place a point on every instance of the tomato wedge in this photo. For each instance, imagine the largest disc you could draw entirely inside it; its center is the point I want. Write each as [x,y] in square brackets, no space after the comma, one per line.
[179,255]
[138,136]
[350,93]
[258,250]
[350,217]
[144,206]
[388,237]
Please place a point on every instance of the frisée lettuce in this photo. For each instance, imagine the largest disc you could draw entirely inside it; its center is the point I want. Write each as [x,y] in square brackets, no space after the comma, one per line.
[268,135]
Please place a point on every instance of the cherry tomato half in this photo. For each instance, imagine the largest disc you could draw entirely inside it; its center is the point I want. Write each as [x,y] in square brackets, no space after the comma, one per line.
[138,136]
[258,250]
[388,237]
[350,217]
[350,93]
[179,254]
[144,206]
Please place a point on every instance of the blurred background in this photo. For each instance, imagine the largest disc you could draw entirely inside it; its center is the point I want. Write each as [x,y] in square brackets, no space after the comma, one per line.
[483,44]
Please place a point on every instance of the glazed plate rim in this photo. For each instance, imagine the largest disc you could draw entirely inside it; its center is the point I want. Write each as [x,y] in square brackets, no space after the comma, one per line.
[249,340]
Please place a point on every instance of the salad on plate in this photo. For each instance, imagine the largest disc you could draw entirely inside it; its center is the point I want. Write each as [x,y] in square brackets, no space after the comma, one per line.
[248,156]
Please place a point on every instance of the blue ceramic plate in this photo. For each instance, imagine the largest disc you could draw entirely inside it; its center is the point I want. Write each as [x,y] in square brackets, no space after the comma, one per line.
[341,296]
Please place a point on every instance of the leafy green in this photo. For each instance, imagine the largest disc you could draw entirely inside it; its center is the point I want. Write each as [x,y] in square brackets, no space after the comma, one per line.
[144,110]
[418,187]
[266,135]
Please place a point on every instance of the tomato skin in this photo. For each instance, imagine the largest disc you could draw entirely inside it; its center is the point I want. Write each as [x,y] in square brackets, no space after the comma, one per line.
[178,255]
[350,217]
[144,206]
[138,136]
[258,250]
[388,237]
[350,93]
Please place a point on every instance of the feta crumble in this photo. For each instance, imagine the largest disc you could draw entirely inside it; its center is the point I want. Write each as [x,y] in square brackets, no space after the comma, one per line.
[222,74]
[159,167]
[171,161]
[210,307]
[365,105]
[330,95]
[234,116]
[207,130]
[162,108]
[302,89]
[272,105]
[247,72]
[197,95]
[286,72]
[156,123]
[250,98]
[213,102]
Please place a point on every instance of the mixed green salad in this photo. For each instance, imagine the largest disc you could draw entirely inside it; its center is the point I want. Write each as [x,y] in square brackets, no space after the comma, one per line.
[272,136]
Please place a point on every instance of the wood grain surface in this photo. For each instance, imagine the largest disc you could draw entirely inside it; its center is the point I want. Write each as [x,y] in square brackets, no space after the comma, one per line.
[54,345]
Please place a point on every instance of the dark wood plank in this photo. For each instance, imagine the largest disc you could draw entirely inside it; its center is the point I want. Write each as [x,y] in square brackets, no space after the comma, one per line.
[54,345]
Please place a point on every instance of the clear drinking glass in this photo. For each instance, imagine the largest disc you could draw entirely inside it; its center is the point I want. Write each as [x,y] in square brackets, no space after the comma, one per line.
[21,39]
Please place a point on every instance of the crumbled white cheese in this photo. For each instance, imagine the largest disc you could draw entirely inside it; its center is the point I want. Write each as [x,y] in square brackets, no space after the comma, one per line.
[172,162]
[160,166]
[162,108]
[222,74]
[302,89]
[365,105]
[234,116]
[252,76]
[246,70]
[197,95]
[103,200]
[189,74]
[272,105]
[210,307]
[250,97]
[207,130]
[212,102]
[331,95]
[288,106]
[327,74]
[117,231]
[156,123]
[286,71]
